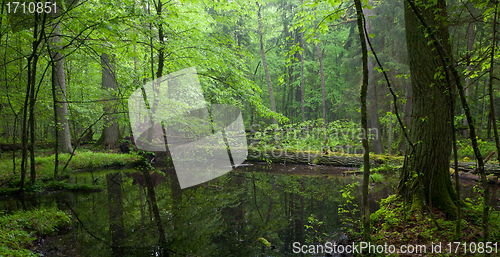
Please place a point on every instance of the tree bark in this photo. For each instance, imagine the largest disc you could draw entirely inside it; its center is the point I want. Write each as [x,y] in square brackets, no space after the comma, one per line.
[431,104]
[162,241]
[470,45]
[111,131]
[322,75]
[59,81]
[364,123]
[407,118]
[115,211]
[264,63]
[372,94]
[302,90]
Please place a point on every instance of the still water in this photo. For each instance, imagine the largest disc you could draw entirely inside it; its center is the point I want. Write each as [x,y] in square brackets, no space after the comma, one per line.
[238,214]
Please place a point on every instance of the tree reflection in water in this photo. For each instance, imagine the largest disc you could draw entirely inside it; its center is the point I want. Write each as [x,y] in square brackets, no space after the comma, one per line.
[143,213]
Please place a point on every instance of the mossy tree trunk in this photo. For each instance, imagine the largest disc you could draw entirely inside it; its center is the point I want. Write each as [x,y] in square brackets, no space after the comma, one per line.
[364,121]
[431,107]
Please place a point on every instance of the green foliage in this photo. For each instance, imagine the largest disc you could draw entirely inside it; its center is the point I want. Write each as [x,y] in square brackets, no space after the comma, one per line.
[392,225]
[312,230]
[376,177]
[17,230]
[465,150]
[349,210]
[309,136]
[82,160]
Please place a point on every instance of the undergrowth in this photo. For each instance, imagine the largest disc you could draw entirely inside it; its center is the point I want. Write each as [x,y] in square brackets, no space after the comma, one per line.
[19,229]
[394,224]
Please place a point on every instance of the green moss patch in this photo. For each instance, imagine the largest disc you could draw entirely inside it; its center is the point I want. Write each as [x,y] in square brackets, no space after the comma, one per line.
[19,229]
[396,225]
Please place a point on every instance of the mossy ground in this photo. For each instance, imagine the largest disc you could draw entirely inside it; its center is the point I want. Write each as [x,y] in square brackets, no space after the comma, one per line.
[18,230]
[394,224]
[83,160]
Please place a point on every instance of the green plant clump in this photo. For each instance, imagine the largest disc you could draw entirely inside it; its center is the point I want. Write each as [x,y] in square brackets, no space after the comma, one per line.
[18,230]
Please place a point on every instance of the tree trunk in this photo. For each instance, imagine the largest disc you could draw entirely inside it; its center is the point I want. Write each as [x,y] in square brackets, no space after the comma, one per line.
[162,241]
[111,131]
[470,45]
[389,134]
[59,81]
[364,124]
[115,211]
[407,114]
[431,114]
[302,90]
[32,121]
[372,94]
[322,75]
[32,64]
[264,63]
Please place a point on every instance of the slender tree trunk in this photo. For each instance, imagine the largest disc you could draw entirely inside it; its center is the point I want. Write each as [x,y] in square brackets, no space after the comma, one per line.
[32,121]
[323,90]
[302,90]
[24,134]
[264,63]
[372,93]
[56,147]
[389,134]
[322,76]
[470,45]
[32,63]
[364,123]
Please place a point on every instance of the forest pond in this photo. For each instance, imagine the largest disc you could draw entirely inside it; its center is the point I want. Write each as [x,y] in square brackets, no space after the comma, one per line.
[238,214]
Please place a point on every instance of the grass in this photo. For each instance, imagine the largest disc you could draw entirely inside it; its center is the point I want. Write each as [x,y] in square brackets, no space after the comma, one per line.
[19,229]
[44,165]
[83,160]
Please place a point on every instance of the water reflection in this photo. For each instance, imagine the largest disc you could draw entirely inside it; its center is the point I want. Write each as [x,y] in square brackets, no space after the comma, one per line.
[147,214]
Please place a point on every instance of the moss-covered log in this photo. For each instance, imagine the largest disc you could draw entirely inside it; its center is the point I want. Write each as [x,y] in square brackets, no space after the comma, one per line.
[330,158]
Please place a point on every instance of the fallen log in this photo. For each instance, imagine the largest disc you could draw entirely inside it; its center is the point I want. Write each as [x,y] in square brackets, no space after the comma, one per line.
[331,158]
[10,147]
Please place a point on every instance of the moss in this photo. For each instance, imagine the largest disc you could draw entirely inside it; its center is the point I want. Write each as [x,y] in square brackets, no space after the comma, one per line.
[399,224]
[18,230]
[264,241]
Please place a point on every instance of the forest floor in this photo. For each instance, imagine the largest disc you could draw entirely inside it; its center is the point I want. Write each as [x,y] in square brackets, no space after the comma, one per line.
[394,224]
